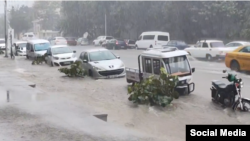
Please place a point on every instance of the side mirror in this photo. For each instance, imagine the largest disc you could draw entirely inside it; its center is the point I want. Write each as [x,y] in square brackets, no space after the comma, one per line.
[193,70]
[224,71]
[85,61]
[74,51]
[118,57]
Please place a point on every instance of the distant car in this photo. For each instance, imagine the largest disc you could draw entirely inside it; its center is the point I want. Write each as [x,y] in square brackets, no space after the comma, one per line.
[235,44]
[238,60]
[2,44]
[181,45]
[71,41]
[58,41]
[20,48]
[117,44]
[102,63]
[60,55]
[102,39]
[130,43]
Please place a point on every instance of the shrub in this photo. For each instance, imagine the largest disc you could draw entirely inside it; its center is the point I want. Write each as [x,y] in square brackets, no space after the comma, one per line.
[75,70]
[39,59]
[155,90]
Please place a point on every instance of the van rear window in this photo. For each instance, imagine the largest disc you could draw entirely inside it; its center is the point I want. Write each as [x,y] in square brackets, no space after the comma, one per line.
[148,37]
[30,35]
[162,38]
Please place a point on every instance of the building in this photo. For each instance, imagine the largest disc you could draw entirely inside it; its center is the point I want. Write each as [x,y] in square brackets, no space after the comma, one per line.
[16,4]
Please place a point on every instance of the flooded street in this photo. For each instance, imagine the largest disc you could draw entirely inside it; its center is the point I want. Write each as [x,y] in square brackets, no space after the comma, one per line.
[65,106]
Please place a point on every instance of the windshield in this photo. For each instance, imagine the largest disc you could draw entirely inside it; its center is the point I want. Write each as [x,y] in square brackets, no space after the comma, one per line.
[60,38]
[61,50]
[217,44]
[101,55]
[41,46]
[2,41]
[181,43]
[177,65]
[22,45]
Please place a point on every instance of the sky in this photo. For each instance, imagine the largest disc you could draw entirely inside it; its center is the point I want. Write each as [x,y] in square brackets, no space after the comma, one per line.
[14,3]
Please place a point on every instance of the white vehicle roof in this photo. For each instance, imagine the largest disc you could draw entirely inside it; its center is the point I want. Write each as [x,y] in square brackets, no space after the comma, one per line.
[36,41]
[98,49]
[210,41]
[154,32]
[58,46]
[60,37]
[241,42]
[163,53]
[20,42]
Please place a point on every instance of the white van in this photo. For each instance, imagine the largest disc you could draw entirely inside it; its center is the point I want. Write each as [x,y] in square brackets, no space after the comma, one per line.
[152,39]
[37,47]
[28,36]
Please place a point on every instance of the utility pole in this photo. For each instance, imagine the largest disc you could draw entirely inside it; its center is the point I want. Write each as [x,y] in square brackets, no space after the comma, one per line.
[105,24]
[5,28]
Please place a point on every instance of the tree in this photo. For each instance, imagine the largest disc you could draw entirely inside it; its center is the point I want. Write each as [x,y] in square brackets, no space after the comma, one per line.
[19,19]
[48,12]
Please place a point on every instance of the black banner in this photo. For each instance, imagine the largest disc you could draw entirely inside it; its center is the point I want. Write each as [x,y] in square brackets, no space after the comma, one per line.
[217,132]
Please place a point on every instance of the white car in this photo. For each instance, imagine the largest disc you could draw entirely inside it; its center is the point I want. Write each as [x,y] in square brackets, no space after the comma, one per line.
[102,63]
[20,48]
[99,40]
[2,44]
[235,44]
[58,41]
[60,55]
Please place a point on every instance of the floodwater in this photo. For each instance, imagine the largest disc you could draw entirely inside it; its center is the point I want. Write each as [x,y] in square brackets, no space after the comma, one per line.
[73,101]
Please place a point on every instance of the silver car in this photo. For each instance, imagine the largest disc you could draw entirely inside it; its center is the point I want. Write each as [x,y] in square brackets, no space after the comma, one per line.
[101,63]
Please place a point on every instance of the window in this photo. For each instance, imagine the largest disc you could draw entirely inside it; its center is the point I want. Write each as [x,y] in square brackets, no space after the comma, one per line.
[85,56]
[205,45]
[162,38]
[198,44]
[108,38]
[148,37]
[181,43]
[148,65]
[31,47]
[245,49]
[177,65]
[41,46]
[61,50]
[217,44]
[170,43]
[140,37]
[101,55]
[28,46]
[49,51]
[30,35]
[156,66]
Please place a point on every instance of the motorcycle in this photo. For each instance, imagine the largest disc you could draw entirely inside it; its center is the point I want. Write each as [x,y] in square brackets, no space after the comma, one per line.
[229,95]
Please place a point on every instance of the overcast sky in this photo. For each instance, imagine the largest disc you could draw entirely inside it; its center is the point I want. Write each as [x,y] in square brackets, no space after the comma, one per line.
[14,3]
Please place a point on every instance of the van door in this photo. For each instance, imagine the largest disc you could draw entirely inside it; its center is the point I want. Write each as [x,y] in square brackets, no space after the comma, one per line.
[203,50]
[147,67]
[148,41]
[161,40]
[32,51]
[139,42]
[27,50]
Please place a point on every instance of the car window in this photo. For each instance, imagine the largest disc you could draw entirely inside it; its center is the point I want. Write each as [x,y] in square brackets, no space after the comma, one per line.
[148,65]
[204,45]
[181,43]
[85,56]
[162,38]
[148,37]
[101,55]
[61,50]
[245,49]
[49,51]
[140,37]
[156,66]
[41,46]
[108,38]
[30,35]
[28,46]
[31,47]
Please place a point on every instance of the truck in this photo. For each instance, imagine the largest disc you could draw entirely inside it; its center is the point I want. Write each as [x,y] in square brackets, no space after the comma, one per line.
[174,61]
[209,50]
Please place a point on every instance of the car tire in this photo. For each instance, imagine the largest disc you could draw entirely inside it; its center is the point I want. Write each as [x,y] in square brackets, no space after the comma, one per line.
[235,66]
[209,57]
[90,73]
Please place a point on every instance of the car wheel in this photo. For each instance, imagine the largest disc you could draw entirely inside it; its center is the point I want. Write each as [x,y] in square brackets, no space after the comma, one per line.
[235,66]
[90,73]
[209,57]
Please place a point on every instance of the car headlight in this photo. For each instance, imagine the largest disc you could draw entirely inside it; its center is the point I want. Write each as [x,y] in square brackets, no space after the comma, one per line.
[122,65]
[56,58]
[96,68]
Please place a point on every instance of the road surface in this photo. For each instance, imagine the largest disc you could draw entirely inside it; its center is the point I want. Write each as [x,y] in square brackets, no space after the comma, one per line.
[62,108]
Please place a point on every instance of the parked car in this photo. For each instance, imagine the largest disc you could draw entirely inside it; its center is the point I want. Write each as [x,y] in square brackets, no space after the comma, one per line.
[208,49]
[130,43]
[102,63]
[181,45]
[2,44]
[102,39]
[60,55]
[235,44]
[58,41]
[116,44]
[36,47]
[28,36]
[71,41]
[238,60]
[20,48]
[152,39]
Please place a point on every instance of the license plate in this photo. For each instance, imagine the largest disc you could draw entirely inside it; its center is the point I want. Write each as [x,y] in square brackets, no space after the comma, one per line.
[112,76]
[66,63]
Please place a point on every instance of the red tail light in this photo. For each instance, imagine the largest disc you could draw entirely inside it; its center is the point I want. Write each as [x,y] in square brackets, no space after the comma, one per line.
[116,42]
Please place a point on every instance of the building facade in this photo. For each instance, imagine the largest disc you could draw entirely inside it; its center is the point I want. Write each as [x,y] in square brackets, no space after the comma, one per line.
[16,4]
